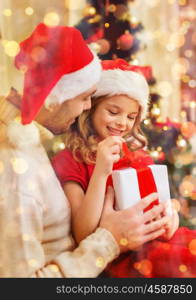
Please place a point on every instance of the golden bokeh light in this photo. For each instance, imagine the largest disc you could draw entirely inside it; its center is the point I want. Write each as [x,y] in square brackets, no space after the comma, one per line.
[180,66]
[29,11]
[107,25]
[123,242]
[182,268]
[164,88]
[154,154]
[192,104]
[181,142]
[92,10]
[54,268]
[100,262]
[19,165]
[11,48]
[32,262]
[192,83]
[177,39]
[186,188]
[192,247]
[155,111]
[7,12]
[51,19]
[145,267]
[25,237]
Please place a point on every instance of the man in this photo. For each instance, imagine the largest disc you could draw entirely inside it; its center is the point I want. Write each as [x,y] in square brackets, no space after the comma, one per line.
[60,76]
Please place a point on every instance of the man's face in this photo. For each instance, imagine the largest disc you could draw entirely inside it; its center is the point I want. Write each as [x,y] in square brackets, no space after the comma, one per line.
[61,116]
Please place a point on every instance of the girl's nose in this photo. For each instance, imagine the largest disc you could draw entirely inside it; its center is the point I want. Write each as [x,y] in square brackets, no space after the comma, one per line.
[122,122]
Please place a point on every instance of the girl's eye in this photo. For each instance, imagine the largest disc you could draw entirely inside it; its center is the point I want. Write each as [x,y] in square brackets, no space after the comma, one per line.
[131,118]
[112,112]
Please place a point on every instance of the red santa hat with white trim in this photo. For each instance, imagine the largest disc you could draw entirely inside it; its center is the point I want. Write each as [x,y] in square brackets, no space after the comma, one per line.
[120,78]
[58,65]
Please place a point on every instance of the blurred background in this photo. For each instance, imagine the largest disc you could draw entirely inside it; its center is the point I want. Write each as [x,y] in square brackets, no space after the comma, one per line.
[158,35]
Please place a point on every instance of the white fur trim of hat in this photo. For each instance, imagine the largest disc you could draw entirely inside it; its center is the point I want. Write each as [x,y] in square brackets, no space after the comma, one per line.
[75,83]
[119,82]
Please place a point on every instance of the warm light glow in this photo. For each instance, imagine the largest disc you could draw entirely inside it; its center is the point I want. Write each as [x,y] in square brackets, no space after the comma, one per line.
[33,262]
[192,247]
[155,111]
[185,78]
[180,66]
[164,88]
[52,19]
[145,267]
[11,48]
[92,11]
[100,262]
[124,242]
[182,268]
[181,142]
[107,25]
[192,104]
[154,154]
[19,165]
[54,268]
[29,11]
[192,83]
[147,121]
[182,2]
[7,12]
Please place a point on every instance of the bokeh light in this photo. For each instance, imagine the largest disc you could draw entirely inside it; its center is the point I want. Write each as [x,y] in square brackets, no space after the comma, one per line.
[19,165]
[29,11]
[11,48]
[192,247]
[51,19]
[7,12]
[100,262]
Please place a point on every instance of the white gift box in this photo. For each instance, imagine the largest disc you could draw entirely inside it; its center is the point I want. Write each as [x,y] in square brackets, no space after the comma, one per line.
[126,186]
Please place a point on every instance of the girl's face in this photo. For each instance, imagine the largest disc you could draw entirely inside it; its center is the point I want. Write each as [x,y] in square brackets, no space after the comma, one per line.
[115,115]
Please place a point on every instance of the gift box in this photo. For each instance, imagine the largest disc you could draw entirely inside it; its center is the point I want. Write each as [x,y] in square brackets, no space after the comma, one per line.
[131,185]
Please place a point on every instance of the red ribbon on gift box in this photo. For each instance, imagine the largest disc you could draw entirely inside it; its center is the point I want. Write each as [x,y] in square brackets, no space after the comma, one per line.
[138,160]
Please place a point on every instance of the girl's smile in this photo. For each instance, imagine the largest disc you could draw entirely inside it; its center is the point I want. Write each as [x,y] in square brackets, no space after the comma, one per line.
[115,115]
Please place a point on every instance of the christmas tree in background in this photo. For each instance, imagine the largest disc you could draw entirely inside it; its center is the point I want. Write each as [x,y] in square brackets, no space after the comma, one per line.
[111,31]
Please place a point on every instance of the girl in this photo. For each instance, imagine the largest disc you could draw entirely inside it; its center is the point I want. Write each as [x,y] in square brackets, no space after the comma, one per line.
[92,147]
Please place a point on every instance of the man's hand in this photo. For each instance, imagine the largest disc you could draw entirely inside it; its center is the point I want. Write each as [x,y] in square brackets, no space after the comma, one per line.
[172,225]
[131,227]
[14,97]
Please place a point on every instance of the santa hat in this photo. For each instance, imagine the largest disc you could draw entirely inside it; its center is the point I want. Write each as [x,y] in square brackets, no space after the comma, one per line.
[119,77]
[58,66]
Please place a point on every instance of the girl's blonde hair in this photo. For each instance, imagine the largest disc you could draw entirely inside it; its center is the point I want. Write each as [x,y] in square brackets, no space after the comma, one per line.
[82,141]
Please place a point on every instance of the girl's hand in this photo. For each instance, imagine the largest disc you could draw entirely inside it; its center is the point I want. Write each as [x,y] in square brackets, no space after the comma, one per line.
[172,224]
[108,152]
